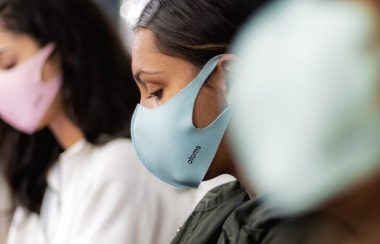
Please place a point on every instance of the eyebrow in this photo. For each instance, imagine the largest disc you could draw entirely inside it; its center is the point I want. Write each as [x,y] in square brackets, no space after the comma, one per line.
[138,74]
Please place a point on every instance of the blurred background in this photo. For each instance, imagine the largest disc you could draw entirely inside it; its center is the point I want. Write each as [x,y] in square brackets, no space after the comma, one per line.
[123,13]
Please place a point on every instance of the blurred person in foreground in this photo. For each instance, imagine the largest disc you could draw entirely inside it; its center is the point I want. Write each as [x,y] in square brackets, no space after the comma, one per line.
[307,125]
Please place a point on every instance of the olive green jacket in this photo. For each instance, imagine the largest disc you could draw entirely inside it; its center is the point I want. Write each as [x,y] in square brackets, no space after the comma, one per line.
[220,218]
[227,215]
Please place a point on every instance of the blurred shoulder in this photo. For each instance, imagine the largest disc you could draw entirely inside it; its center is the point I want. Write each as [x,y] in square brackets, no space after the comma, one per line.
[116,158]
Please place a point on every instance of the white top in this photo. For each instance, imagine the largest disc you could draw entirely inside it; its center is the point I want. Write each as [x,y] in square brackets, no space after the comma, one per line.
[4,211]
[103,194]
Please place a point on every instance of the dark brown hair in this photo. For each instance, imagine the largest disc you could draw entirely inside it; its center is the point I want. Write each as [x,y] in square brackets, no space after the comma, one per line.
[196,30]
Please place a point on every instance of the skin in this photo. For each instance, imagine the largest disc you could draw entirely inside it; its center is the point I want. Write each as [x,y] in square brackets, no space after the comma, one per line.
[158,79]
[18,48]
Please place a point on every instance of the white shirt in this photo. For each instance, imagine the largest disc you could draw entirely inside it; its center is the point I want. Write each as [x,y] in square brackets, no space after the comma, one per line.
[103,194]
[4,211]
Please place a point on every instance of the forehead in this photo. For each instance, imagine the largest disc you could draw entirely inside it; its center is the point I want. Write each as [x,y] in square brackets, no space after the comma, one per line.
[145,53]
[7,36]
[144,42]
[144,50]
[147,56]
[20,42]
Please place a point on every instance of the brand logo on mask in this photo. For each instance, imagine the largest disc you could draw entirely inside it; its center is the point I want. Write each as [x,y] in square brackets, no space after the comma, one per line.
[194,155]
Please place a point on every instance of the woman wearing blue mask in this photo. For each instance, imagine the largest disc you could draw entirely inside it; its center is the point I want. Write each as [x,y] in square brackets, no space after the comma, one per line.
[66,100]
[180,62]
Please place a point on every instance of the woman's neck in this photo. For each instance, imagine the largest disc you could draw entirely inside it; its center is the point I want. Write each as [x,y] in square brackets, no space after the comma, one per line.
[64,130]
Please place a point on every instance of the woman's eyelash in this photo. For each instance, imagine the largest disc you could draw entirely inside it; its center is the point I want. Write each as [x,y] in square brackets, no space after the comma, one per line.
[156,94]
[10,66]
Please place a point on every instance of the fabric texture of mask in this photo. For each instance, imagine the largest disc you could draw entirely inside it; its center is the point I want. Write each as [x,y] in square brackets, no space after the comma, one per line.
[168,143]
[24,96]
[307,124]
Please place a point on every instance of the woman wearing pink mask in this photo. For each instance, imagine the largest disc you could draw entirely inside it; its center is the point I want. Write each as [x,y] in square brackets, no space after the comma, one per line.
[66,100]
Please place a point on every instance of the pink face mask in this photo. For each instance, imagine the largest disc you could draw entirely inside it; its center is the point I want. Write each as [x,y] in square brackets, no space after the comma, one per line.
[24,96]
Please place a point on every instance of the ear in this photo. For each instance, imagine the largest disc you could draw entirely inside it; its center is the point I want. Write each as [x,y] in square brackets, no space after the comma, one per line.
[224,63]
[224,69]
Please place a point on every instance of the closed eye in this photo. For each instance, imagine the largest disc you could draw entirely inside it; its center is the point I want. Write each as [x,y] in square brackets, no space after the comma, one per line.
[157,94]
[10,66]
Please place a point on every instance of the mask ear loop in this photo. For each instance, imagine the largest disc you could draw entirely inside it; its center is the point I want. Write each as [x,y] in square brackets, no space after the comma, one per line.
[203,75]
[200,80]
[207,70]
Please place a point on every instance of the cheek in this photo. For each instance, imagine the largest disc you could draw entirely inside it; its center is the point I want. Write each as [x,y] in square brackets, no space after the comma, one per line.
[150,103]
[54,109]
[207,107]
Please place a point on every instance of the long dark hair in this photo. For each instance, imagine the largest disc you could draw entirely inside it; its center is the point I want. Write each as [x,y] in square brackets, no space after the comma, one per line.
[196,30]
[98,91]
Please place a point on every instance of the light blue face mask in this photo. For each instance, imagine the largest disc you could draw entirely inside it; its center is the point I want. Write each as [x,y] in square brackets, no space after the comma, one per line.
[168,143]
